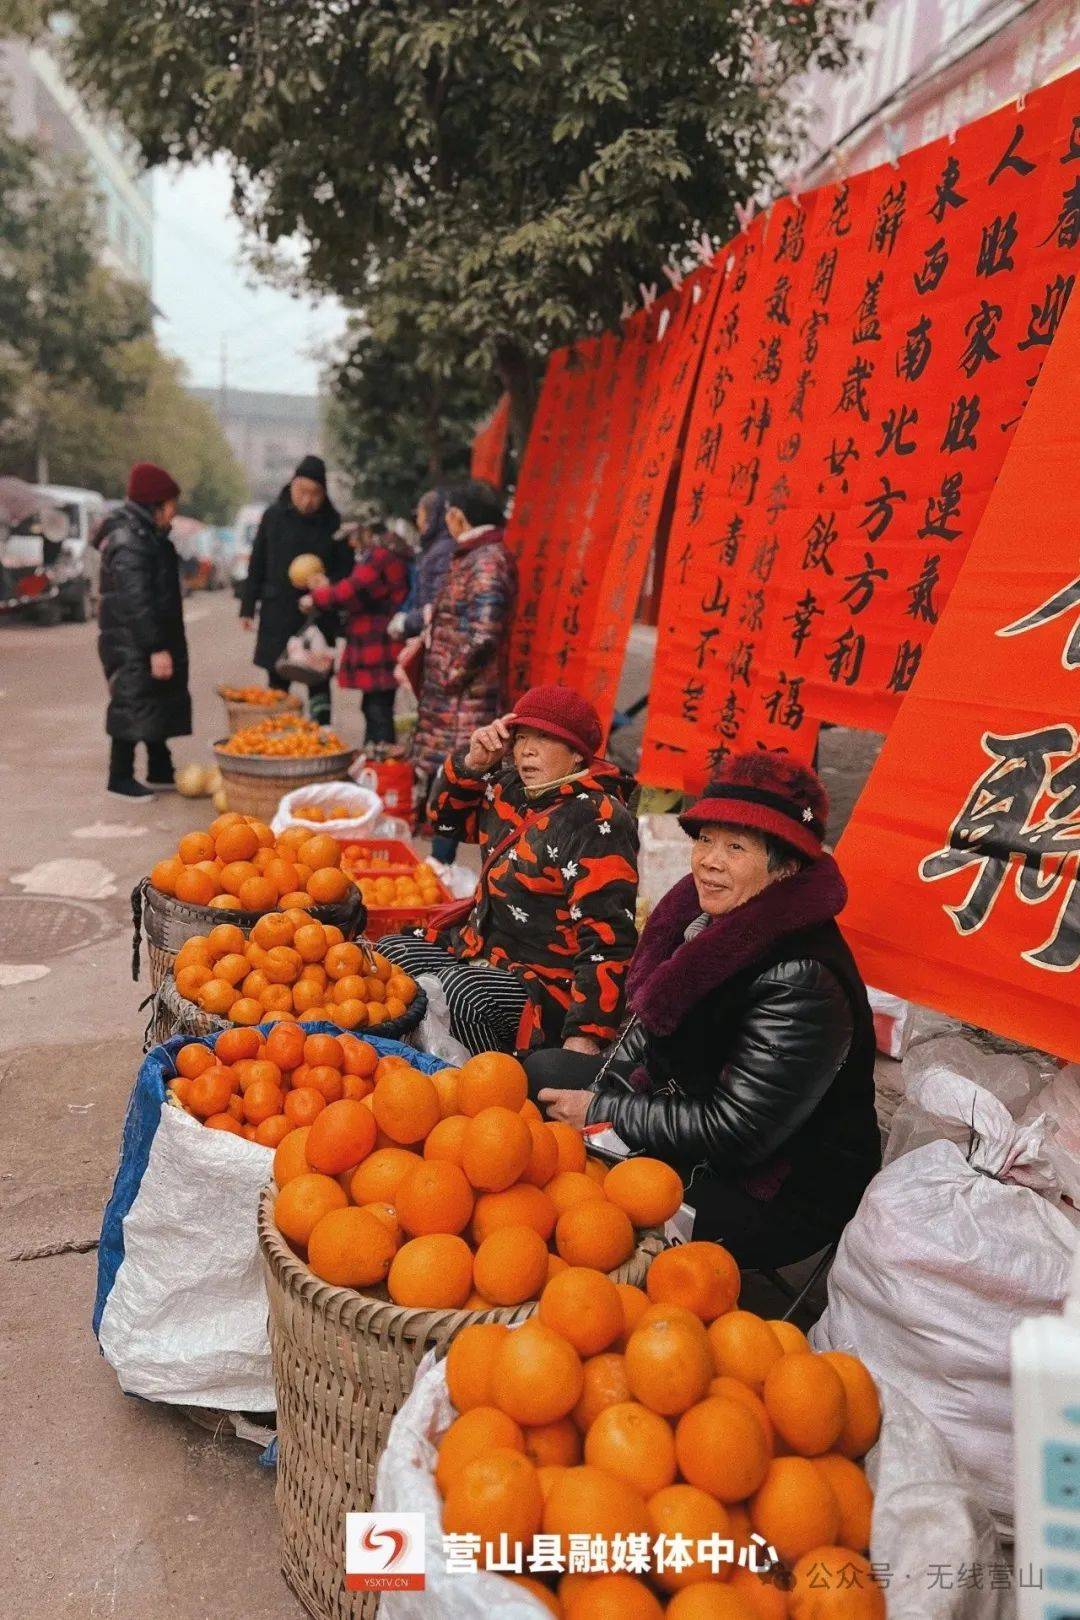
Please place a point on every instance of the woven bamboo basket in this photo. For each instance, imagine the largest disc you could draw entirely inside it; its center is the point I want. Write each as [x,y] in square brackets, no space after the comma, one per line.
[256,783]
[343,1364]
[240,715]
[167,923]
[173,1014]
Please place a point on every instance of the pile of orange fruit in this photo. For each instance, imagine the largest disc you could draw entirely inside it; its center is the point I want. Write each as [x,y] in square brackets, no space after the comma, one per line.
[284,736]
[417,887]
[668,1412]
[319,812]
[266,697]
[455,1193]
[291,968]
[266,1087]
[238,864]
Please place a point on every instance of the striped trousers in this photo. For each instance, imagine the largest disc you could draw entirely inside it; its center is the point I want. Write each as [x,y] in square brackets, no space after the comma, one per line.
[485,1003]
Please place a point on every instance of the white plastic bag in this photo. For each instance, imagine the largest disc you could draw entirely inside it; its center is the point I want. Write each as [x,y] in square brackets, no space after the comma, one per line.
[943,1081]
[308,657]
[925,1514]
[434,1035]
[1059,1103]
[180,1312]
[954,1243]
[365,806]
[893,1021]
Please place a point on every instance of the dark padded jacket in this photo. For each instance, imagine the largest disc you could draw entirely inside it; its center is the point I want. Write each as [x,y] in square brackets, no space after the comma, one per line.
[752,1053]
[285,533]
[141,613]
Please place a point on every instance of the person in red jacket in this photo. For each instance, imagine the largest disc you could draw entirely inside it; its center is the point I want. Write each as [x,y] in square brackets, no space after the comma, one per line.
[368,599]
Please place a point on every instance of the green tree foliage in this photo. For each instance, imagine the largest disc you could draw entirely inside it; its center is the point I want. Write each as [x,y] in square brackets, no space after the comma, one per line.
[399,429]
[64,320]
[484,179]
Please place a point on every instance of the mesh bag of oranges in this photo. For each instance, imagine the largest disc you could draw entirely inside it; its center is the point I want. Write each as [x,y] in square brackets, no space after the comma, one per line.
[710,1447]
[450,1192]
[292,967]
[238,864]
[283,736]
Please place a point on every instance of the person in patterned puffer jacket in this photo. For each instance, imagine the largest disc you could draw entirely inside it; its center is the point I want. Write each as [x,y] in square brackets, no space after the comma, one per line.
[541,959]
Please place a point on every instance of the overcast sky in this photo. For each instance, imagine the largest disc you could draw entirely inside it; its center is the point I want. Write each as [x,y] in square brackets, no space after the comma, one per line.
[204,294]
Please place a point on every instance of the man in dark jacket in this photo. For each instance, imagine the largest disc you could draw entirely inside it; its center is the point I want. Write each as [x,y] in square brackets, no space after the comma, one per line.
[141,640]
[302,519]
[749,1063]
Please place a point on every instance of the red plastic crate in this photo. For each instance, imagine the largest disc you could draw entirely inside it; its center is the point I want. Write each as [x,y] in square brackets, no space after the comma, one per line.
[389,857]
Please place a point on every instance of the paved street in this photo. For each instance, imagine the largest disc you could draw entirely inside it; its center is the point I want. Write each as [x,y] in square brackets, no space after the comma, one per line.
[112,1507]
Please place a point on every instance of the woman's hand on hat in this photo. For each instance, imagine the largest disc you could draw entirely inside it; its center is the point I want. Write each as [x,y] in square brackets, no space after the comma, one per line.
[490,744]
[572,1107]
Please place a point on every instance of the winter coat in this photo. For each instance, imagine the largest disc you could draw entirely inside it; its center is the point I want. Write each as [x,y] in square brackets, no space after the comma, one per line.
[558,906]
[368,598]
[431,574]
[466,664]
[285,533]
[753,1050]
[141,612]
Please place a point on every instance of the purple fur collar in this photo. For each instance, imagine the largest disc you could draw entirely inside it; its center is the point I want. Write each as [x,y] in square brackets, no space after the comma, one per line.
[669,975]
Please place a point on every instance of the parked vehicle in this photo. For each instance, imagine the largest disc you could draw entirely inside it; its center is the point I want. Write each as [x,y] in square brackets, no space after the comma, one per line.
[47,560]
[245,529]
[203,560]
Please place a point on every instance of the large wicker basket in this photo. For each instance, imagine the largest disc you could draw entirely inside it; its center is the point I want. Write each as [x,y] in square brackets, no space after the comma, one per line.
[255,784]
[168,923]
[343,1364]
[246,714]
[173,1014]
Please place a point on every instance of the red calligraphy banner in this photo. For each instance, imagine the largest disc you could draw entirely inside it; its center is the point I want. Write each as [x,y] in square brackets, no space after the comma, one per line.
[963,854]
[864,376]
[675,344]
[489,445]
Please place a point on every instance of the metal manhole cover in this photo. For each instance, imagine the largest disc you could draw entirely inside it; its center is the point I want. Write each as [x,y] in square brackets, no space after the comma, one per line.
[36,928]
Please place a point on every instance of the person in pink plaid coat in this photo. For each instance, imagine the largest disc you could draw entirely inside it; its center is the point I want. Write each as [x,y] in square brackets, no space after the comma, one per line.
[367,600]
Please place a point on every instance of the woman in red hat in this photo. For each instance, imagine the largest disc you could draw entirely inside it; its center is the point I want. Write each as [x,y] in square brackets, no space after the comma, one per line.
[748,1062]
[141,641]
[541,956]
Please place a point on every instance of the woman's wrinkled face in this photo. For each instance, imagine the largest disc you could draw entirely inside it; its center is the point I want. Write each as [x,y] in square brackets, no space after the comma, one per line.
[539,759]
[730,865]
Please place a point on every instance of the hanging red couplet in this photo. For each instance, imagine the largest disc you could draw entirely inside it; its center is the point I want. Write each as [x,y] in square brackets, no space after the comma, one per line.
[489,445]
[963,854]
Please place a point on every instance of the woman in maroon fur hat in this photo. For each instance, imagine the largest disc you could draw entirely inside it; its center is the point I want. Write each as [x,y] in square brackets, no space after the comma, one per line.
[748,1062]
[541,957]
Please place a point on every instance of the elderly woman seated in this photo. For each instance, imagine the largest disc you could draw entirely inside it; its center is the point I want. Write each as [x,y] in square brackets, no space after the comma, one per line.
[748,1063]
[541,953]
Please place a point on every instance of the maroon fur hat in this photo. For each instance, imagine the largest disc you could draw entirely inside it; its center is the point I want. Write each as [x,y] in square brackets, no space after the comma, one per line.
[769,793]
[559,712]
[149,485]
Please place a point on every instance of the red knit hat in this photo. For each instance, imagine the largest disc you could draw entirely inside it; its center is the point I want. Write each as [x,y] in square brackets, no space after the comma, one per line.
[149,485]
[770,793]
[559,712]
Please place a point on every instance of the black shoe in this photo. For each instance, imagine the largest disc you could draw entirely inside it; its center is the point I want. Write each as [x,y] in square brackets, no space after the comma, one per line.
[126,787]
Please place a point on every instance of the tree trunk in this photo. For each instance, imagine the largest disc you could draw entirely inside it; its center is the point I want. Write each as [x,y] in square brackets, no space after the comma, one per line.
[515,372]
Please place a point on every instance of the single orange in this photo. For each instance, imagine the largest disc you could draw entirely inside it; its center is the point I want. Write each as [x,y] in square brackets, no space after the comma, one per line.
[196,846]
[686,1510]
[434,1197]
[496,1494]
[520,1205]
[584,1306]
[588,1501]
[433,1272]
[721,1448]
[262,1099]
[496,1148]
[290,1159]
[303,1106]
[328,884]
[341,1135]
[649,1190]
[377,1178]
[537,1377]
[510,1266]
[804,1396]
[351,1248]
[544,1159]
[668,1365]
[553,1445]
[744,1347]
[834,1583]
[597,1235]
[469,1361]
[478,1430]
[604,1385]
[702,1276]
[193,1059]
[491,1080]
[226,940]
[273,1131]
[210,1092]
[570,1143]
[862,1413]
[633,1444]
[302,1203]
[324,1049]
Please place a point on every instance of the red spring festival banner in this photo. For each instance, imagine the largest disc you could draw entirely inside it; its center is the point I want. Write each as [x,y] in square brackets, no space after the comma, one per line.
[963,854]
[864,372]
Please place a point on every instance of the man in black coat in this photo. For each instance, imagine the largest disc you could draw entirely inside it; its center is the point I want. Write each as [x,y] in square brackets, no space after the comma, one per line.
[141,641]
[302,519]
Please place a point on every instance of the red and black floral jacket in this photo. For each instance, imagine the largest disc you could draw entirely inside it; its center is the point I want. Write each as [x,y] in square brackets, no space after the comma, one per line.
[558,907]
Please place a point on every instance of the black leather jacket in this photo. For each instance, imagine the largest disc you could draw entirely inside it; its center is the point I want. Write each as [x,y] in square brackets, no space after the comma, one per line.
[767,1078]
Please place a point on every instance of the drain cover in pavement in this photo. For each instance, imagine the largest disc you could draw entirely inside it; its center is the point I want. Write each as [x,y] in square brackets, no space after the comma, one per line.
[35,929]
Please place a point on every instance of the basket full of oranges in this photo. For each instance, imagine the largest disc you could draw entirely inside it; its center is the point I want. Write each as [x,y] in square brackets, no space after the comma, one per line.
[262,762]
[394,1221]
[246,705]
[291,968]
[236,871]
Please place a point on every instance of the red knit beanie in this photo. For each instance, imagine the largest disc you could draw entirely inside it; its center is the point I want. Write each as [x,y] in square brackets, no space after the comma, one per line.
[768,792]
[149,485]
[559,712]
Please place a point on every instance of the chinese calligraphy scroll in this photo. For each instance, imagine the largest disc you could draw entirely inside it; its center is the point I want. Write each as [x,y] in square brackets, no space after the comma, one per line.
[865,371]
[489,445]
[963,855]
